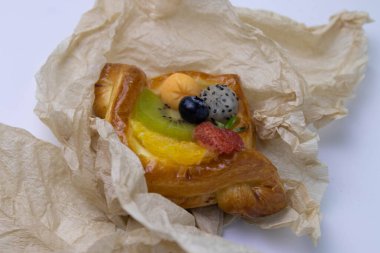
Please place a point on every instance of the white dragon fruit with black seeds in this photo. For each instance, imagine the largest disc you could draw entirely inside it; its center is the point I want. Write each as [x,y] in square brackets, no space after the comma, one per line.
[221,101]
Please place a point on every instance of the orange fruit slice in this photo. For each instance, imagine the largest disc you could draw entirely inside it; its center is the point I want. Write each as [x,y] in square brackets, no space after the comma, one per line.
[167,148]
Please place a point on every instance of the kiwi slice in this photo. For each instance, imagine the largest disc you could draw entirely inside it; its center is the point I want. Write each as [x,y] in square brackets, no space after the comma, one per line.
[159,117]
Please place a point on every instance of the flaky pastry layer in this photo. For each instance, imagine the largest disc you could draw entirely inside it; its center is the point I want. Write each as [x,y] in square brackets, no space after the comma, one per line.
[245,183]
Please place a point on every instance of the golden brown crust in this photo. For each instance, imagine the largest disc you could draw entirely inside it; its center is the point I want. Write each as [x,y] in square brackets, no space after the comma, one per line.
[225,182]
[253,200]
[245,183]
[116,92]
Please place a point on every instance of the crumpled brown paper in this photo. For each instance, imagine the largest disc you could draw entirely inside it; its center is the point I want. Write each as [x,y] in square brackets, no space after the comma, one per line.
[91,195]
[43,211]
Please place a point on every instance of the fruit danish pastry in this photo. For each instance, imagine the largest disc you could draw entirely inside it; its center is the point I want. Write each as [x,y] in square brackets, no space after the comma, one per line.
[194,136]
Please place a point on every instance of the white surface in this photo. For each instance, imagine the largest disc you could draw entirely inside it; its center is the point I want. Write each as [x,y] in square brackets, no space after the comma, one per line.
[30,30]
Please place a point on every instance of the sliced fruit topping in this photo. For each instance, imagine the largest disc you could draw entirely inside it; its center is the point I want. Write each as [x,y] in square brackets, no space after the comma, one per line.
[177,86]
[157,116]
[193,109]
[221,101]
[222,141]
[167,148]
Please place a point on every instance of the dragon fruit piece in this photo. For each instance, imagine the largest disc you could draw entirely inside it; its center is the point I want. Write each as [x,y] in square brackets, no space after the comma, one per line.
[221,101]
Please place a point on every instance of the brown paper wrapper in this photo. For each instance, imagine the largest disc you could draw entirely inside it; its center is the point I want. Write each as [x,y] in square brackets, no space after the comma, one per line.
[90,195]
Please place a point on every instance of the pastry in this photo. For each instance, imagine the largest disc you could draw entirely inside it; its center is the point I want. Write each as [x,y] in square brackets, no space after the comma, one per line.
[194,136]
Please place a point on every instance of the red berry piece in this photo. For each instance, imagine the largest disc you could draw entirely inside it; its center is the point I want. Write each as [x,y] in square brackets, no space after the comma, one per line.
[222,141]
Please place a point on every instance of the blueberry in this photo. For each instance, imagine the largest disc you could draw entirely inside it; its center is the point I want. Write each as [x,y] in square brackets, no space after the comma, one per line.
[193,109]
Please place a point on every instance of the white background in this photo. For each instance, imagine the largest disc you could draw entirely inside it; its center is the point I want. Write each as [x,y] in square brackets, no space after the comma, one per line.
[30,30]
